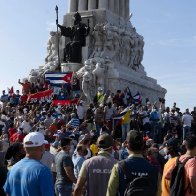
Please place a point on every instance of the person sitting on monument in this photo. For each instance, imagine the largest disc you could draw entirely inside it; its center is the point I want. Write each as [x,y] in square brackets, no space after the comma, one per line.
[75,86]
[77,34]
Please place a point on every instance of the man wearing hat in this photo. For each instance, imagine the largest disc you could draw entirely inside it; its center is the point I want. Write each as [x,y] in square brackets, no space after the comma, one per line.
[28,176]
[133,167]
[96,170]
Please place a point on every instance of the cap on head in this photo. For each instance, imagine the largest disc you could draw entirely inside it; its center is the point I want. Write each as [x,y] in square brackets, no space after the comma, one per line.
[101,105]
[105,141]
[100,89]
[34,139]
[73,115]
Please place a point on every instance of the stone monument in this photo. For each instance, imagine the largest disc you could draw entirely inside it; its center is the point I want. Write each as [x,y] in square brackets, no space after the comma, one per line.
[114,49]
[113,53]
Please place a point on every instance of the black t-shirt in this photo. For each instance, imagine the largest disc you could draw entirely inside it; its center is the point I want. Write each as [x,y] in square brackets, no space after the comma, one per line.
[63,160]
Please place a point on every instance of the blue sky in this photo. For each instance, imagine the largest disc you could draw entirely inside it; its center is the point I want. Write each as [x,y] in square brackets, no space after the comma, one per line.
[168,27]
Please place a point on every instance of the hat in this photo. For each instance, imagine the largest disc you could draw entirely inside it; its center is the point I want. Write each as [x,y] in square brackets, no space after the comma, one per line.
[34,139]
[100,89]
[172,142]
[73,115]
[105,141]
[72,135]
[65,141]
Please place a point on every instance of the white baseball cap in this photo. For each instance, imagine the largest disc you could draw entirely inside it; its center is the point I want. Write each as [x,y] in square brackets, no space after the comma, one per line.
[100,89]
[34,139]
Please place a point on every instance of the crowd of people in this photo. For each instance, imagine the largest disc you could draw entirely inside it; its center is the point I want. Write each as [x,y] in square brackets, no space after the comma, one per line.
[76,149]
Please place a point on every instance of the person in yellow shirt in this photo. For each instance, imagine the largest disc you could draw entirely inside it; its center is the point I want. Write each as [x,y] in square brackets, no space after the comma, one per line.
[125,125]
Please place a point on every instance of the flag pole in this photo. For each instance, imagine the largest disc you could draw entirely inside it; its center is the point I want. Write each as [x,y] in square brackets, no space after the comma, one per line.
[57,30]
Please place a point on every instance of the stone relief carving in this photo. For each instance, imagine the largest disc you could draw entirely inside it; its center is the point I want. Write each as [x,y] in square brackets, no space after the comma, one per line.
[99,74]
[93,75]
[121,44]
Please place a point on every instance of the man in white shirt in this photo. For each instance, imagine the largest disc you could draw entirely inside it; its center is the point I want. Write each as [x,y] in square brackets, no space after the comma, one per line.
[80,111]
[47,158]
[26,126]
[186,120]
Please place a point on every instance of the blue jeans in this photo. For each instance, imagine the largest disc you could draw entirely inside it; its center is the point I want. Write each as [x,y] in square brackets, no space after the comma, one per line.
[98,128]
[125,129]
[186,132]
[63,190]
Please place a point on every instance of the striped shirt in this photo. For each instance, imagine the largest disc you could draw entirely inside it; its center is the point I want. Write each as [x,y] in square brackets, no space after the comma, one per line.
[74,122]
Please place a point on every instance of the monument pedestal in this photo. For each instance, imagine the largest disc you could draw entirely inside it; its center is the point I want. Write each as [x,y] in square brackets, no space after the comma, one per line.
[70,67]
[137,82]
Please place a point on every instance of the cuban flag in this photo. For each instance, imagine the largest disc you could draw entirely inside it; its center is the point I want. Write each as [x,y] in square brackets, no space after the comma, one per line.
[119,116]
[57,79]
[137,99]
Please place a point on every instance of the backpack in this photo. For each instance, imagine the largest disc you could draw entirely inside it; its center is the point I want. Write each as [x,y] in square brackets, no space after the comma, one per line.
[178,179]
[137,186]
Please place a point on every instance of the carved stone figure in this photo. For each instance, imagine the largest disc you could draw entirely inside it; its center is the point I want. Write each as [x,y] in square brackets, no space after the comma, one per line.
[77,35]
[108,50]
[88,67]
[99,74]
[52,47]
[98,36]
[88,86]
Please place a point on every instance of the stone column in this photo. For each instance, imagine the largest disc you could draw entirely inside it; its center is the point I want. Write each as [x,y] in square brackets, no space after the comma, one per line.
[122,8]
[127,10]
[73,6]
[82,5]
[92,4]
[116,6]
[103,4]
[111,5]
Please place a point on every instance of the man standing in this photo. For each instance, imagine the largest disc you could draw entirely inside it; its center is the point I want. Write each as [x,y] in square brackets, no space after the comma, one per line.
[189,161]
[135,166]
[64,168]
[78,158]
[186,120]
[96,170]
[80,111]
[99,118]
[28,176]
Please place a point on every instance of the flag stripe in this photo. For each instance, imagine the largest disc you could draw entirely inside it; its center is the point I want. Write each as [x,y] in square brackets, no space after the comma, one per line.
[57,81]
[56,74]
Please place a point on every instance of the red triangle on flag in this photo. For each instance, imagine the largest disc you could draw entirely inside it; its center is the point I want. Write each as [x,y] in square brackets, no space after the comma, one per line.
[67,77]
